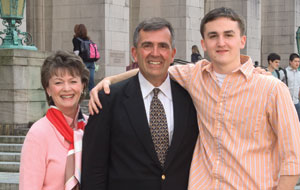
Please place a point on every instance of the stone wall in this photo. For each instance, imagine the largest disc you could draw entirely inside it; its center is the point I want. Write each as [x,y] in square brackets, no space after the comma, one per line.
[271,25]
[22,98]
[253,17]
[52,24]
[280,20]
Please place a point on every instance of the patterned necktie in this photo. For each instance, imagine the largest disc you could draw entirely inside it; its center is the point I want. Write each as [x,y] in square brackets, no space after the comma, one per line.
[159,127]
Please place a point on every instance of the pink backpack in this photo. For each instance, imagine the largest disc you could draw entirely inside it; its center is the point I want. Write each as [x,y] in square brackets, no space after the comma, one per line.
[88,51]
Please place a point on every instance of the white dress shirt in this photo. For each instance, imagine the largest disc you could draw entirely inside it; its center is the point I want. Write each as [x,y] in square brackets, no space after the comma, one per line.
[165,96]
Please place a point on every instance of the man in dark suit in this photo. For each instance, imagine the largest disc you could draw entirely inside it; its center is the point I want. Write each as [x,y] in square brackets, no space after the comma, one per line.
[144,137]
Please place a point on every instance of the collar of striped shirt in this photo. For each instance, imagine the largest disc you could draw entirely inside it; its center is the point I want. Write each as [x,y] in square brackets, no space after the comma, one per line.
[246,67]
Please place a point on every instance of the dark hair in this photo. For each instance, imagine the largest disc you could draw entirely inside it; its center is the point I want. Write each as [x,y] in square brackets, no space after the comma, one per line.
[80,31]
[293,56]
[66,61]
[153,24]
[195,49]
[273,56]
[222,12]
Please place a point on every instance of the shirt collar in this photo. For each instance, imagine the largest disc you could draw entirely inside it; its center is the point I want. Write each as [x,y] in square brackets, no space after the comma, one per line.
[147,87]
[291,69]
[246,67]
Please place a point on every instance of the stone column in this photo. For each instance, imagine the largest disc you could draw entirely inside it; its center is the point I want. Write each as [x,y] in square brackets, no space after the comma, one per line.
[22,98]
[36,22]
[116,37]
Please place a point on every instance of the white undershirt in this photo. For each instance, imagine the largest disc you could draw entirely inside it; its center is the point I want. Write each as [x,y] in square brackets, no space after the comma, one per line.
[165,96]
[76,52]
[220,78]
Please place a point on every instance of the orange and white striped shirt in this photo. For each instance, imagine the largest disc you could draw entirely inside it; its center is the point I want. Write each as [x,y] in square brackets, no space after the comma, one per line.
[249,131]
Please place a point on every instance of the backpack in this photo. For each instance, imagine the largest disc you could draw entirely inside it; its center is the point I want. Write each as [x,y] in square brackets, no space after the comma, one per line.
[88,51]
[285,75]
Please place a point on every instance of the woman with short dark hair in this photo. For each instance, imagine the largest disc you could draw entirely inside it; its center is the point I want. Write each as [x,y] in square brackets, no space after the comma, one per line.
[51,154]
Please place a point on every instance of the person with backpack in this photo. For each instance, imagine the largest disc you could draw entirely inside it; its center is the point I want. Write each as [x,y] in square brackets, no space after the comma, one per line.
[278,72]
[293,76]
[86,49]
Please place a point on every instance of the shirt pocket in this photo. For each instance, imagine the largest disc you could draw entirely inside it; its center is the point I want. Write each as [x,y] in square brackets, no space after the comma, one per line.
[246,126]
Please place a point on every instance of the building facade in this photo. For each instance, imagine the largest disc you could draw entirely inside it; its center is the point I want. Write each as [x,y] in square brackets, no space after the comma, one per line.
[271,26]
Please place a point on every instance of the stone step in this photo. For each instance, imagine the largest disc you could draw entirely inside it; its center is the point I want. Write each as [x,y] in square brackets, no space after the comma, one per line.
[9,166]
[9,181]
[14,129]
[9,186]
[10,156]
[10,147]
[12,139]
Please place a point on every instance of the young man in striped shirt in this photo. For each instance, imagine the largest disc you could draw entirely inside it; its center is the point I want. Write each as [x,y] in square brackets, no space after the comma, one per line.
[248,126]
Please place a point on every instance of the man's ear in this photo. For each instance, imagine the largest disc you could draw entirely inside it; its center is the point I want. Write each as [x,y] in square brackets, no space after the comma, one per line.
[134,53]
[243,41]
[173,54]
[203,45]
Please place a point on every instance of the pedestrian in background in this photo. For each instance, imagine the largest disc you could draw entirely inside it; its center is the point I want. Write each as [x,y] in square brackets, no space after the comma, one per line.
[278,72]
[81,34]
[196,56]
[293,78]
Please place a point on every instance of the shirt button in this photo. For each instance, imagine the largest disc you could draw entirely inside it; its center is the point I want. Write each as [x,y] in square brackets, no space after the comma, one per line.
[163,177]
[221,104]
[218,162]
[217,181]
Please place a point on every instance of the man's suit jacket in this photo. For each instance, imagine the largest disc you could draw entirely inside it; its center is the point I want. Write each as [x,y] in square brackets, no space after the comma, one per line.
[118,152]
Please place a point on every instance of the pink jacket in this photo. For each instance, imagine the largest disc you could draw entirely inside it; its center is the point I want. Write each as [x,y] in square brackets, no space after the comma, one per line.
[43,157]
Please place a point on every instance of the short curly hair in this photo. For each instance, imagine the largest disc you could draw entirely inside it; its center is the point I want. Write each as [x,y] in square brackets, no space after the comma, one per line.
[66,61]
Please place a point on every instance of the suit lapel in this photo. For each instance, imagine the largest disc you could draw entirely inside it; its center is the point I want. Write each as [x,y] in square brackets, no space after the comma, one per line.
[180,109]
[135,108]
